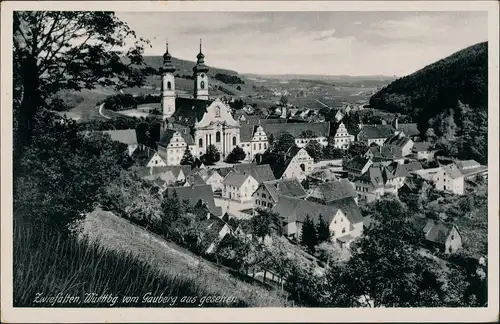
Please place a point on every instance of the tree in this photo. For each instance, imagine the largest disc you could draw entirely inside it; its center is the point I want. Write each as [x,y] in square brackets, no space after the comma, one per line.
[285,141]
[211,156]
[323,230]
[187,158]
[315,150]
[266,222]
[357,149]
[331,152]
[68,50]
[308,237]
[236,155]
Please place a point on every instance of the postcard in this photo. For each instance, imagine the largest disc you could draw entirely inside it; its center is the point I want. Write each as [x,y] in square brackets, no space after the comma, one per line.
[256,161]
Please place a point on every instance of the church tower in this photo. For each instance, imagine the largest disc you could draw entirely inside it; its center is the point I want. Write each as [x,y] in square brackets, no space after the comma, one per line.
[200,77]
[167,86]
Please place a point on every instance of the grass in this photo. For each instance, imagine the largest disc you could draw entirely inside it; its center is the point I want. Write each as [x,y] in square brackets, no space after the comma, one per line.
[119,235]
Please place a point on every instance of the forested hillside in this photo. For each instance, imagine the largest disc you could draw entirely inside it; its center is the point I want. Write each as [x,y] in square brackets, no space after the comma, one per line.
[448,99]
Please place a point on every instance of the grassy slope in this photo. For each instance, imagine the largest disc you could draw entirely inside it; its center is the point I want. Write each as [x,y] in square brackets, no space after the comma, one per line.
[120,235]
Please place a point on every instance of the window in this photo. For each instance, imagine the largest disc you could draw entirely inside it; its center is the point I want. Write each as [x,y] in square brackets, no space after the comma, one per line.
[264,196]
[260,146]
[452,237]
[217,135]
[234,140]
[257,201]
[269,205]
[200,142]
[217,112]
[265,145]
[333,233]
[343,230]
[169,85]
[254,146]
[202,85]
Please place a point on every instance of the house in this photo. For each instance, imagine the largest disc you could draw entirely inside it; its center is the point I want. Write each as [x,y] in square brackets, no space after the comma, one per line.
[125,136]
[403,143]
[342,139]
[445,237]
[413,166]
[295,163]
[339,115]
[376,134]
[268,192]
[416,185]
[146,157]
[239,186]
[178,171]
[471,168]
[410,130]
[343,218]
[253,140]
[260,172]
[395,174]
[423,151]
[357,166]
[195,195]
[161,179]
[329,192]
[445,178]
[215,230]
[373,184]
[385,154]
[173,143]
[194,179]
[211,177]
[302,132]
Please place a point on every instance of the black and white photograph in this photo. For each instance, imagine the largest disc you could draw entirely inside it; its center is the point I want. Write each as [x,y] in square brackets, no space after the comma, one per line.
[172,157]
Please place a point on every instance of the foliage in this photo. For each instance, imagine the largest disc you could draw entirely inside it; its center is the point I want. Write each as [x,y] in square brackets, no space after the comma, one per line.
[228,79]
[330,152]
[237,104]
[63,171]
[265,222]
[187,158]
[323,230]
[308,237]
[70,50]
[284,143]
[211,156]
[357,149]
[236,155]
[315,150]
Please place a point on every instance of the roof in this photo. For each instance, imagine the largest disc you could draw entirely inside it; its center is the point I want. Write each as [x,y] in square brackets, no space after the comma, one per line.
[421,146]
[167,135]
[336,190]
[409,129]
[246,132]
[413,166]
[285,187]
[467,164]
[143,156]
[434,231]
[373,176]
[398,140]
[452,171]
[189,110]
[386,152]
[375,131]
[126,136]
[296,129]
[194,194]
[261,172]
[175,169]
[195,179]
[357,163]
[167,177]
[235,178]
[350,209]
[397,170]
[295,210]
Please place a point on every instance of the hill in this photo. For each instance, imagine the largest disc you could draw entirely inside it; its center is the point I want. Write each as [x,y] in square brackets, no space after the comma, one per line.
[449,101]
[462,76]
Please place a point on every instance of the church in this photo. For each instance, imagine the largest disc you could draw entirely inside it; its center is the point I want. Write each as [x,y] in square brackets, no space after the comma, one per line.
[200,121]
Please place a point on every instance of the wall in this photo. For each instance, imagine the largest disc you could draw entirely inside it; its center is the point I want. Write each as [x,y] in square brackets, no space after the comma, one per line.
[454,244]
[156,161]
[294,171]
[302,142]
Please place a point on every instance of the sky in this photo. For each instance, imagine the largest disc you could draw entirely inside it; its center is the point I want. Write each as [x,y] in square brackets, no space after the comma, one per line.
[321,43]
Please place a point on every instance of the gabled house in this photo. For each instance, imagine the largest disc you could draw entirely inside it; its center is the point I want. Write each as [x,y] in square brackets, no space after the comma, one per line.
[445,178]
[445,237]
[357,166]
[329,192]
[471,168]
[195,195]
[373,184]
[193,180]
[215,230]
[342,138]
[173,143]
[125,136]
[377,134]
[423,151]
[395,174]
[239,186]
[179,172]
[295,163]
[146,157]
[385,154]
[161,179]
[413,166]
[416,185]
[268,192]
[211,177]
[343,218]
[401,142]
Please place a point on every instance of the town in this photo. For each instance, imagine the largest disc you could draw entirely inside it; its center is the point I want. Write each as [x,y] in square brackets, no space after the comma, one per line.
[271,192]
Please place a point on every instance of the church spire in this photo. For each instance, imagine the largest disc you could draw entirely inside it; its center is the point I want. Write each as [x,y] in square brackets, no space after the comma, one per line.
[200,63]
[167,61]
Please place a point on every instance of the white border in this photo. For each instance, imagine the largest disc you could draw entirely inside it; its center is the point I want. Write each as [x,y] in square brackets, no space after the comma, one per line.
[37,315]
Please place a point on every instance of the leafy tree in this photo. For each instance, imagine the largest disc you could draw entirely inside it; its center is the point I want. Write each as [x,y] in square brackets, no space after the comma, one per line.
[236,155]
[68,50]
[357,149]
[266,222]
[331,152]
[64,171]
[284,142]
[187,158]
[323,230]
[308,237]
[315,150]
[211,156]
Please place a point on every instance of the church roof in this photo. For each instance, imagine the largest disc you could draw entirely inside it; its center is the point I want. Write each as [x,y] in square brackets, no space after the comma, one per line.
[167,62]
[296,129]
[189,110]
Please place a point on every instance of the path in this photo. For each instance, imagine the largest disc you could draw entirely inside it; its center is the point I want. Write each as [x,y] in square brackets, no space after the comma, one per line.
[324,105]
[100,111]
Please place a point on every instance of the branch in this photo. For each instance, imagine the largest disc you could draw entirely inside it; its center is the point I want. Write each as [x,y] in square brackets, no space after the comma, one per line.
[51,30]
